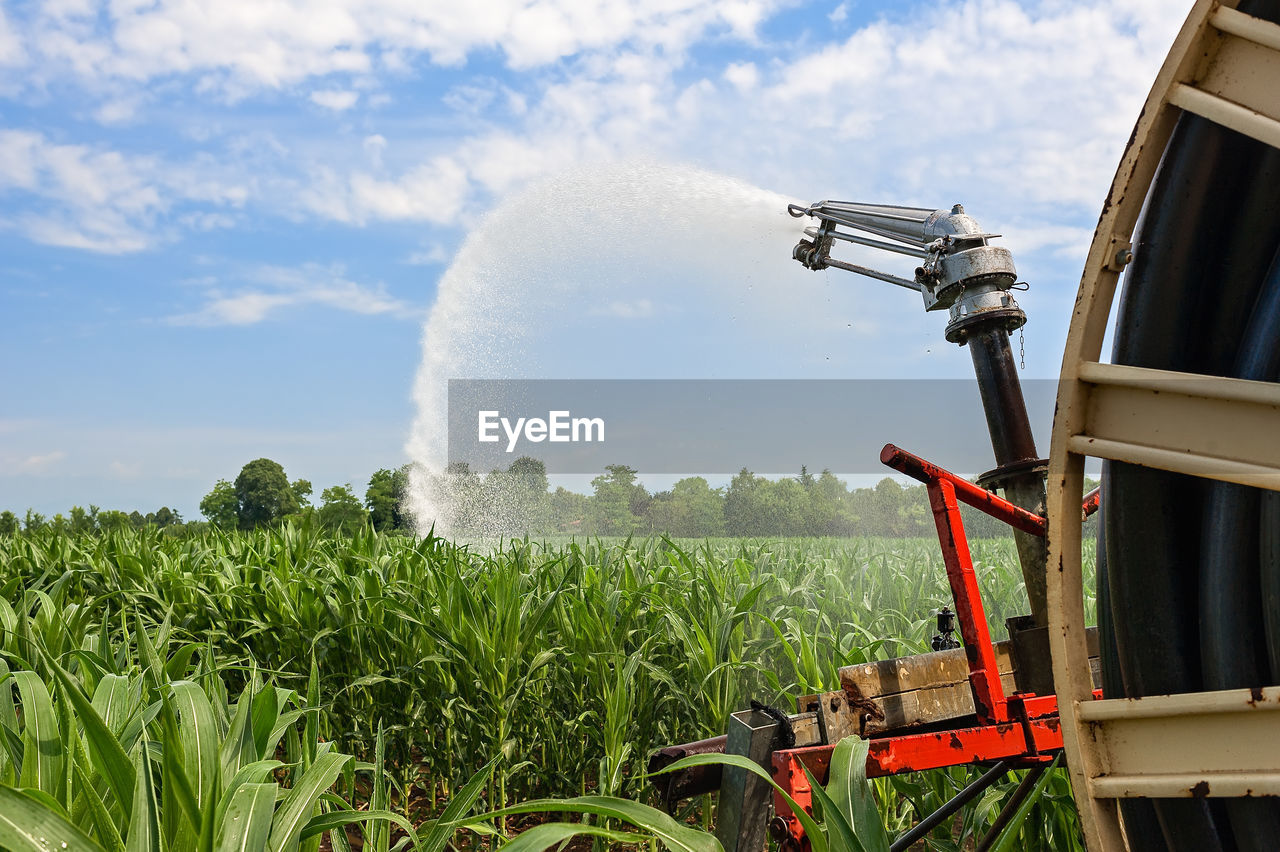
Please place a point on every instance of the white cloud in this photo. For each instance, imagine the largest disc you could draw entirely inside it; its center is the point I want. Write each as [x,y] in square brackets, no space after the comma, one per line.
[434,191]
[275,289]
[839,13]
[118,110]
[1037,117]
[374,145]
[41,463]
[1018,110]
[335,99]
[742,75]
[12,52]
[92,198]
[122,470]
[238,46]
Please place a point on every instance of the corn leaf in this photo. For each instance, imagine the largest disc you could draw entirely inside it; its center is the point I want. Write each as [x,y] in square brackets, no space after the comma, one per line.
[852,796]
[105,752]
[199,731]
[300,802]
[246,823]
[42,754]
[29,825]
[144,822]
[1009,839]
[672,834]
[551,834]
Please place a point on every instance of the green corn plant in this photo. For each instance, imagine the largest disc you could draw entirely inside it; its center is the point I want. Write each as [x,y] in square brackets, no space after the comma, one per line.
[844,819]
[99,756]
[438,655]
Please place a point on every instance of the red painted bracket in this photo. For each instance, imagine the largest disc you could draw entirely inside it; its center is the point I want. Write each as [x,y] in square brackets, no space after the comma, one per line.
[1022,728]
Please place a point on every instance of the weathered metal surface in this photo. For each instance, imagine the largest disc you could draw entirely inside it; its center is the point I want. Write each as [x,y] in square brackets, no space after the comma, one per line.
[687,783]
[1221,744]
[966,492]
[1013,444]
[984,673]
[891,755]
[742,820]
[1224,66]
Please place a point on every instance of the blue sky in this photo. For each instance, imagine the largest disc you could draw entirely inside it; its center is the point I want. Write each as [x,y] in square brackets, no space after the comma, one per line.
[224,224]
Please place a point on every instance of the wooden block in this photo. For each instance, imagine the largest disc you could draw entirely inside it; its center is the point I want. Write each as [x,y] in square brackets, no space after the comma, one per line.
[938,668]
[907,692]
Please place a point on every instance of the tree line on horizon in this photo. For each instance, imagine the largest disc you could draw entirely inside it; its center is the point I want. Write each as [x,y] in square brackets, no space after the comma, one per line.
[519,501]
[260,495]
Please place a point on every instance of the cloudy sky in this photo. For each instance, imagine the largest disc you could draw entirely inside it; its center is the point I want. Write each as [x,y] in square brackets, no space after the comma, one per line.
[224,223]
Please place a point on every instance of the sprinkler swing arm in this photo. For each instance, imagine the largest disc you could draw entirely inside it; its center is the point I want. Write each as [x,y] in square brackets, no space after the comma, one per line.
[959,263]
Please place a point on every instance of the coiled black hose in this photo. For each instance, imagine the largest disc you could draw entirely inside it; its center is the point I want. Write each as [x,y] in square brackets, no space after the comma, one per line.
[1184,564]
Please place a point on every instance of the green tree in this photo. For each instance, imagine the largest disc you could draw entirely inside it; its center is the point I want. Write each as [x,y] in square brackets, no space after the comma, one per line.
[691,509]
[569,510]
[301,489]
[8,523]
[82,521]
[164,517]
[263,494]
[743,508]
[385,497]
[828,506]
[221,506]
[616,500]
[341,509]
[114,520]
[528,506]
[786,508]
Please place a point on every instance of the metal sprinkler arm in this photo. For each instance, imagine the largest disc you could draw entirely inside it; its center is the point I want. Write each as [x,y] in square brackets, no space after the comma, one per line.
[963,273]
[959,262]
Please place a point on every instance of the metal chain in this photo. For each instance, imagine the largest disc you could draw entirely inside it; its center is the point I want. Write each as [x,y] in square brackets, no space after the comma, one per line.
[1022,350]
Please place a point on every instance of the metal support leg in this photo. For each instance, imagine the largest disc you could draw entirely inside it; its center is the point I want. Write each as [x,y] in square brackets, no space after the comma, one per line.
[957,802]
[743,816]
[1011,807]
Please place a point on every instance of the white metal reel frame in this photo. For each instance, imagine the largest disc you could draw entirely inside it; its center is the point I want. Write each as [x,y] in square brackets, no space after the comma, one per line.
[1225,66]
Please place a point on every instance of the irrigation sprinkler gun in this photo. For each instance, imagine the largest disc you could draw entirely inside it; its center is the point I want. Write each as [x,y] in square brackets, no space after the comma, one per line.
[962,273]
[983,702]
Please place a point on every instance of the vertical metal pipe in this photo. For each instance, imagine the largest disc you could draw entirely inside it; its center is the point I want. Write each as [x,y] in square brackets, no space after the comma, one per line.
[1012,441]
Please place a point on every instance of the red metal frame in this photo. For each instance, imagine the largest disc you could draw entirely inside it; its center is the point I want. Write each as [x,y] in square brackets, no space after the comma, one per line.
[1022,728]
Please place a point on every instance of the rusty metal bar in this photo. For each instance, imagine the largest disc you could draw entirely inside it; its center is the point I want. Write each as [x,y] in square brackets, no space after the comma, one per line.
[965,491]
[984,673]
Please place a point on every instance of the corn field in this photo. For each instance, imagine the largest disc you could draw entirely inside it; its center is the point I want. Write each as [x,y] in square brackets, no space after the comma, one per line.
[560,664]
